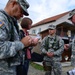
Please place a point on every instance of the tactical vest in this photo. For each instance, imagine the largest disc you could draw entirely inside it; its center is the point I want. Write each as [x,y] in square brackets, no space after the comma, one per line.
[56,41]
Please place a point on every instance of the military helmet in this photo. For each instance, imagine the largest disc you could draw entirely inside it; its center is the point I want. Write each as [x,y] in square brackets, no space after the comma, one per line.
[71,13]
[52,26]
[24,5]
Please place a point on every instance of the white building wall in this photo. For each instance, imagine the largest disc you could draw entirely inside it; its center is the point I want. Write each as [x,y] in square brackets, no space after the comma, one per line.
[43,27]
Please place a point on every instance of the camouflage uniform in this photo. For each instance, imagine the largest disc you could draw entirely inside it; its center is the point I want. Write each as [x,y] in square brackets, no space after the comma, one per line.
[73,52]
[72,44]
[10,44]
[9,48]
[57,47]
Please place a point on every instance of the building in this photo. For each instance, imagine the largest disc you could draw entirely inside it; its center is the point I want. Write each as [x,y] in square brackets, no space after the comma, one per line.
[65,29]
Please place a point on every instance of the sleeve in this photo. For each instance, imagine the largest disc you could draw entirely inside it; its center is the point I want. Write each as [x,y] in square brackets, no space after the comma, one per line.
[43,45]
[70,44]
[60,49]
[21,34]
[73,46]
[8,48]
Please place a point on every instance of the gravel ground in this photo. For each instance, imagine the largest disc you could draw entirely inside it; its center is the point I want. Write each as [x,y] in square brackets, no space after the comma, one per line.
[33,71]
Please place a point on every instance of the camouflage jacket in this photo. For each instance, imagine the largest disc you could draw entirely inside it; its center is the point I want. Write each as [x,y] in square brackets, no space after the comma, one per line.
[72,45]
[9,41]
[55,44]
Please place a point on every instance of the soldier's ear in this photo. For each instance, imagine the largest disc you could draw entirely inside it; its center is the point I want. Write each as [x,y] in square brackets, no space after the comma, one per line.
[14,3]
[55,30]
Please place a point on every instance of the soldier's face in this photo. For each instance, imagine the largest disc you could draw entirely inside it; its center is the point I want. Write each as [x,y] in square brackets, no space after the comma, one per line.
[73,19]
[17,11]
[52,31]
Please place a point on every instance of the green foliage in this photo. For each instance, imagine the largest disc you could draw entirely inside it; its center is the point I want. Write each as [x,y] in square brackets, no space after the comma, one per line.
[36,66]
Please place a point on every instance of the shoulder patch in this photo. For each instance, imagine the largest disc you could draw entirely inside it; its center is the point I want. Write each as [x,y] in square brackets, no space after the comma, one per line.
[1,23]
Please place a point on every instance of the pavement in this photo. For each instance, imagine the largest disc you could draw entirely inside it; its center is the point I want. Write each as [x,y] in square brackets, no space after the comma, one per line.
[65,67]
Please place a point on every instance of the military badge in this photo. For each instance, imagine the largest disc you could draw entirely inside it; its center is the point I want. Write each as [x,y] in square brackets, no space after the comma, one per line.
[1,23]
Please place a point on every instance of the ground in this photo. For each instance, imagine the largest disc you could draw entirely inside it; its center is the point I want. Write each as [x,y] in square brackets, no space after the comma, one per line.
[33,71]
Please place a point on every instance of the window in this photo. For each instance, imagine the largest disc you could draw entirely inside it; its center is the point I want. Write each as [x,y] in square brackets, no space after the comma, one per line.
[33,31]
[39,30]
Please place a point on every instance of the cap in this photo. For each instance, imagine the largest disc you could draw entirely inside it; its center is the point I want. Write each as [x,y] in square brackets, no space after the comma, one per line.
[51,26]
[71,13]
[25,5]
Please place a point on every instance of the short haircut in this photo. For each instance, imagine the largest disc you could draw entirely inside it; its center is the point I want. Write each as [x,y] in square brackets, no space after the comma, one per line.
[26,22]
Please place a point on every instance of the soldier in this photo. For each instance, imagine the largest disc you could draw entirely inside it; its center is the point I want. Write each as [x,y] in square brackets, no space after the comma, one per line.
[71,44]
[52,47]
[10,45]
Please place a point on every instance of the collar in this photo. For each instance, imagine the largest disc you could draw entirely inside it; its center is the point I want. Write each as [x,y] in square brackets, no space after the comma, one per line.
[53,37]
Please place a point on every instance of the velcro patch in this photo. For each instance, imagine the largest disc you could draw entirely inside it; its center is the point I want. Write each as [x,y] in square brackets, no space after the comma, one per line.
[1,23]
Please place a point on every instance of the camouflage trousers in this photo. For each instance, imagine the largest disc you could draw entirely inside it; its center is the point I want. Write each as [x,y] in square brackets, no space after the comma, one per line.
[9,71]
[73,60]
[52,68]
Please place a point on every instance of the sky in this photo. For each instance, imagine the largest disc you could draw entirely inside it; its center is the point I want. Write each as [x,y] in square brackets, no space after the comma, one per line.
[42,9]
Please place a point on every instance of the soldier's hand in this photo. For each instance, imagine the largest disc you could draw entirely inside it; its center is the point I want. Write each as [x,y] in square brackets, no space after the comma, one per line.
[50,54]
[27,41]
[66,46]
[34,41]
